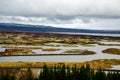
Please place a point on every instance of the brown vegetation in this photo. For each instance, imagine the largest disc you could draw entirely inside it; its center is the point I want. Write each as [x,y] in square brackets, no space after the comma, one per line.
[80,52]
[74,51]
[15,51]
[103,63]
[60,44]
[18,47]
[112,51]
[86,52]
[50,49]
[103,44]
[43,38]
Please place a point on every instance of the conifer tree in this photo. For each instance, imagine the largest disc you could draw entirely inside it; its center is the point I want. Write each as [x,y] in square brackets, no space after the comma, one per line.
[100,75]
[83,73]
[29,74]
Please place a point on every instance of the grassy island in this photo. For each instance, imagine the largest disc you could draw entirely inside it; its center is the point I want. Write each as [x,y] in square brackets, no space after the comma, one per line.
[112,51]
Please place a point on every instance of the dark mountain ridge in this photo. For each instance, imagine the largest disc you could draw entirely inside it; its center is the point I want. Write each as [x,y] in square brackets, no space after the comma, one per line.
[42,28]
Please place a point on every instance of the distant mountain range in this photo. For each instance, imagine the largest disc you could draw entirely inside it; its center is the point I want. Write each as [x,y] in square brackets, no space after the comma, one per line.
[42,28]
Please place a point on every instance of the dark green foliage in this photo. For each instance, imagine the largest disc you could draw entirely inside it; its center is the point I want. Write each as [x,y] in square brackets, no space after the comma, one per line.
[113,76]
[6,76]
[75,73]
[44,73]
[100,75]
[61,72]
[29,74]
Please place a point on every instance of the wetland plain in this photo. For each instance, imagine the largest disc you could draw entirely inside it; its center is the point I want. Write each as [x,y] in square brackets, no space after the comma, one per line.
[23,51]
[52,47]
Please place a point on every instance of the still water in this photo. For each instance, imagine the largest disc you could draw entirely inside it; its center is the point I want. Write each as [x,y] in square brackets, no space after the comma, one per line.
[63,58]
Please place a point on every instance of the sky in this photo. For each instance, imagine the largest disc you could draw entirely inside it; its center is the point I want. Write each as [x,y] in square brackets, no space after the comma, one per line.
[80,14]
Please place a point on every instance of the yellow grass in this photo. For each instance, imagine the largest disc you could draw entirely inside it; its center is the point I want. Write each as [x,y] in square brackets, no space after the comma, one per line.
[103,63]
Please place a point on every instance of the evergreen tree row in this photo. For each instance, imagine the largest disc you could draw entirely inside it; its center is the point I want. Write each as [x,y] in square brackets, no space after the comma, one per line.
[6,76]
[62,72]
[82,73]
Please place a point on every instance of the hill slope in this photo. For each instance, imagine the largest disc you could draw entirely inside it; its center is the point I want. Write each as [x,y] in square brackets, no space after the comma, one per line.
[41,28]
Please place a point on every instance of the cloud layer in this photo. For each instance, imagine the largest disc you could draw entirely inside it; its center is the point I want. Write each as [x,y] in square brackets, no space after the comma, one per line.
[60,7]
[78,23]
[88,14]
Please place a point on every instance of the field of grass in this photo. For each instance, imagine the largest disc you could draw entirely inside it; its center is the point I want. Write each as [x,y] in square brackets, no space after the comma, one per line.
[23,44]
[13,40]
[102,63]
[43,38]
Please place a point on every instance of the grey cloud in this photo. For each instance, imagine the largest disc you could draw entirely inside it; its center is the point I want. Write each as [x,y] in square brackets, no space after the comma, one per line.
[83,14]
[79,23]
[53,8]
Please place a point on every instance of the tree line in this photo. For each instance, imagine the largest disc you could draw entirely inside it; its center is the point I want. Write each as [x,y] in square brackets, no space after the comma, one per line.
[63,72]
[75,73]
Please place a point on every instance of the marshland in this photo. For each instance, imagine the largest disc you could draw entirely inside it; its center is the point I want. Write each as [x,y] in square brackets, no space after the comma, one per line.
[26,50]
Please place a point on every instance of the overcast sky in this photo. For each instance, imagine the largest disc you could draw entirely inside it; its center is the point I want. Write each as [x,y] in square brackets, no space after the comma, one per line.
[82,14]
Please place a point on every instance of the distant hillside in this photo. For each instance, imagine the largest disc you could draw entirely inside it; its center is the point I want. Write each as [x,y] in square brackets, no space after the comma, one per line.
[41,28]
